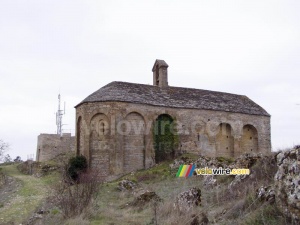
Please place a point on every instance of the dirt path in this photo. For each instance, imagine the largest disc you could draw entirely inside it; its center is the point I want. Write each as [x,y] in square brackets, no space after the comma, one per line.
[21,196]
[9,190]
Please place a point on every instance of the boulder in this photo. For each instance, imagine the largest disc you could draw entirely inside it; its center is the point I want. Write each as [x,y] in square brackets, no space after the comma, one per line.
[287,183]
[209,180]
[247,160]
[266,194]
[188,199]
[127,185]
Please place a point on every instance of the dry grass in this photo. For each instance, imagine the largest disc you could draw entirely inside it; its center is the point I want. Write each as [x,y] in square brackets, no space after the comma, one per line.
[26,199]
[219,204]
[75,198]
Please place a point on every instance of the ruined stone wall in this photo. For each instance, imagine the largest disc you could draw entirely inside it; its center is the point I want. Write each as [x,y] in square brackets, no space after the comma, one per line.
[51,145]
[128,135]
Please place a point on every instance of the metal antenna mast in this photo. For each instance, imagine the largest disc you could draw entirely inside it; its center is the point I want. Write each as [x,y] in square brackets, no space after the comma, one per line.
[59,115]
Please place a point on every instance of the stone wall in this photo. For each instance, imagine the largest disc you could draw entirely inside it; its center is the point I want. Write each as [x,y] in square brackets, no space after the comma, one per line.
[121,134]
[51,145]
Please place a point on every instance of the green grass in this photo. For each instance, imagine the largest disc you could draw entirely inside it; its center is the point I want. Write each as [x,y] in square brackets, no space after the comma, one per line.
[159,172]
[155,174]
[190,156]
[225,160]
[27,198]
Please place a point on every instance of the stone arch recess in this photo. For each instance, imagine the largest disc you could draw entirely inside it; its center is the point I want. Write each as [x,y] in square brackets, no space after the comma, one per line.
[79,136]
[225,140]
[165,140]
[134,142]
[249,141]
[99,144]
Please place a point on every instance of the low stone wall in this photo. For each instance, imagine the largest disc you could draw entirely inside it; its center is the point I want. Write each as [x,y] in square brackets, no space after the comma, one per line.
[36,169]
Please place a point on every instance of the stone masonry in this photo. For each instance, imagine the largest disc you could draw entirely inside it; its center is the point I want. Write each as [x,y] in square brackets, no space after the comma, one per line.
[51,145]
[115,125]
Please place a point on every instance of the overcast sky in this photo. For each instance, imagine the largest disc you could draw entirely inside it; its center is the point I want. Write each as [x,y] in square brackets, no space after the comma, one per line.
[76,47]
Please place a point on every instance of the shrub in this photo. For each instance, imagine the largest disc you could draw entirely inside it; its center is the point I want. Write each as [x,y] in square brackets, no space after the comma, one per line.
[76,165]
[74,199]
[165,138]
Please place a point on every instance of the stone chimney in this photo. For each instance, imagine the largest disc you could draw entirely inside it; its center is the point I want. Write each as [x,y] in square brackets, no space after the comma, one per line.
[160,73]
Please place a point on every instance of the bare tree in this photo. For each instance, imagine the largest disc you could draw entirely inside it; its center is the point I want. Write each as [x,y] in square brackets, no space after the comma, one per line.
[74,198]
[3,148]
[7,158]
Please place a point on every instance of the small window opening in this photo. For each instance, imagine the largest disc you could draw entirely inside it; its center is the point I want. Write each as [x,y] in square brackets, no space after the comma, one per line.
[102,128]
[157,75]
[198,137]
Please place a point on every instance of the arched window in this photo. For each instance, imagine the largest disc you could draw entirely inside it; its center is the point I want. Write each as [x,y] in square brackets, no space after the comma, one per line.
[99,144]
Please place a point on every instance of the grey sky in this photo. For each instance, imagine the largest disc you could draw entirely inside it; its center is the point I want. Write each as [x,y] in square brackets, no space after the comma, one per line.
[242,47]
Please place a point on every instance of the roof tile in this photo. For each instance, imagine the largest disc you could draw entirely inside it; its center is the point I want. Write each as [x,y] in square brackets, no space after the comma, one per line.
[175,97]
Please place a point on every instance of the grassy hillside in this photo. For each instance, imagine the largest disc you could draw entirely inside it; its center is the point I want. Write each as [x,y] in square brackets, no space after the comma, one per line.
[224,201]
[24,198]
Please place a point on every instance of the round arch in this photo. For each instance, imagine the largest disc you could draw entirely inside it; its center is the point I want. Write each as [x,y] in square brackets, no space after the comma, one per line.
[249,140]
[225,140]
[134,142]
[79,136]
[99,144]
[165,139]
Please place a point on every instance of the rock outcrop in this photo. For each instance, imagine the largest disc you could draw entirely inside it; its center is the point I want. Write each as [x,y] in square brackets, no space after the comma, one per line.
[188,199]
[287,183]
[266,194]
[126,185]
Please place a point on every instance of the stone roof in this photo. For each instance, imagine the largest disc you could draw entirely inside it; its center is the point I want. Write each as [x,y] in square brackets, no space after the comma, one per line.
[175,97]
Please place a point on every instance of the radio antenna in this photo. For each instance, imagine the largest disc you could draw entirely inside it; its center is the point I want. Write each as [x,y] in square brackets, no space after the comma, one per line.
[59,115]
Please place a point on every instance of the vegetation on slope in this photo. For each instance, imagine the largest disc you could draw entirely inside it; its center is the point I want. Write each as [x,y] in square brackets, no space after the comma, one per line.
[26,197]
[224,199]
